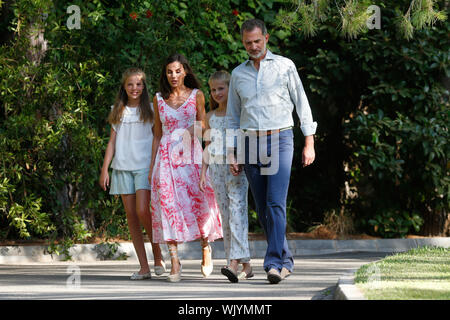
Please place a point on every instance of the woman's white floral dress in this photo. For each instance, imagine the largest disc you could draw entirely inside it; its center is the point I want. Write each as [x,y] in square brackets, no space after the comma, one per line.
[181,212]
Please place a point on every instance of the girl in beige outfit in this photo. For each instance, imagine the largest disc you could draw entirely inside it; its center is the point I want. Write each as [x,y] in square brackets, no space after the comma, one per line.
[230,191]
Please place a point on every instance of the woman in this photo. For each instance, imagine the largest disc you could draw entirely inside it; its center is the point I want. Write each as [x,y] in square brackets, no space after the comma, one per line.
[181,212]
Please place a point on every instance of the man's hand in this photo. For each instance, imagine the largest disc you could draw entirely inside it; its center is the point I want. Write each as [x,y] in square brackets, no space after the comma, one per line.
[308,154]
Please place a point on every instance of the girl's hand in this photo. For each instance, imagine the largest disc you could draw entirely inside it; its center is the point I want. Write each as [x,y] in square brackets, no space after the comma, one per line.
[104,180]
[202,183]
[236,169]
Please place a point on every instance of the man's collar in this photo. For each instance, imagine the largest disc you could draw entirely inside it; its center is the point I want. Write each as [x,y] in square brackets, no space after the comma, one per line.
[269,56]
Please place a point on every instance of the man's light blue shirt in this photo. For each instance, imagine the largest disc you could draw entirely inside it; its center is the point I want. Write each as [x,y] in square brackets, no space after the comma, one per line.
[265,99]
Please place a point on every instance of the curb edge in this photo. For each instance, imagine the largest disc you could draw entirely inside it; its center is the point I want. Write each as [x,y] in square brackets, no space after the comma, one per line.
[346,288]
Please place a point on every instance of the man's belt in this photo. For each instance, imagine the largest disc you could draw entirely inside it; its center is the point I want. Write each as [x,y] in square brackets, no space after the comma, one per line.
[266,132]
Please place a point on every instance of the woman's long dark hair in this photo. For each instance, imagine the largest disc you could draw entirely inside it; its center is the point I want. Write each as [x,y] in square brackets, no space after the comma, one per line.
[190,80]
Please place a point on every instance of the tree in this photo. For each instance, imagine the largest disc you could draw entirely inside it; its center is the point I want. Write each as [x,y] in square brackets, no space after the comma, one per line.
[380,101]
[306,16]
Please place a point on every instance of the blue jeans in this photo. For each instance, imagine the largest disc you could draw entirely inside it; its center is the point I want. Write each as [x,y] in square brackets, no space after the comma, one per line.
[270,192]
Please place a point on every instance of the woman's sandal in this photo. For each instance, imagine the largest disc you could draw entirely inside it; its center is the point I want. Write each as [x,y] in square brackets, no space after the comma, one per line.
[177,276]
[207,270]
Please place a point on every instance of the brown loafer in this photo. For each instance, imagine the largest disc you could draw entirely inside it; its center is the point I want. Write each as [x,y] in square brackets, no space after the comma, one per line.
[274,276]
[285,273]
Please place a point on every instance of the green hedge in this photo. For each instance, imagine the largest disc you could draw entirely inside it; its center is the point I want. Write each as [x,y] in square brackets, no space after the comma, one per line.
[379,100]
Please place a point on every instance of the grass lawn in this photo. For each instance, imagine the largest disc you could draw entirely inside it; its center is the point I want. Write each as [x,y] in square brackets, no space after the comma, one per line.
[422,273]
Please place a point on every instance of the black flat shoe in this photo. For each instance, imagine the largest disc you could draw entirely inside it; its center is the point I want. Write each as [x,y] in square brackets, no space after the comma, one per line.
[230,274]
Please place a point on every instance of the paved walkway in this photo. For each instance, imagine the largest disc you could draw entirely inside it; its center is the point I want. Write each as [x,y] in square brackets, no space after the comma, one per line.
[315,277]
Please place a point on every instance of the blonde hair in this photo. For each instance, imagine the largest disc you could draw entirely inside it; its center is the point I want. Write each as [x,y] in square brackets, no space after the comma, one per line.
[146,113]
[220,75]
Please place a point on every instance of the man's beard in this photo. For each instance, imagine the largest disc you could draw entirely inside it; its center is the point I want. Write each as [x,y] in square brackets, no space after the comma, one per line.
[260,54]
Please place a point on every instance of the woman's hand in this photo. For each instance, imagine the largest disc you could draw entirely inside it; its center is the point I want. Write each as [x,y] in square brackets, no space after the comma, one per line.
[202,183]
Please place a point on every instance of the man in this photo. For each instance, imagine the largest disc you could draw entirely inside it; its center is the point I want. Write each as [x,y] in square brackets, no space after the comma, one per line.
[262,94]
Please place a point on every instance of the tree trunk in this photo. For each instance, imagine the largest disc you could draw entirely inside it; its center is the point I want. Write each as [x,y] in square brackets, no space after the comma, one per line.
[436,224]
[38,45]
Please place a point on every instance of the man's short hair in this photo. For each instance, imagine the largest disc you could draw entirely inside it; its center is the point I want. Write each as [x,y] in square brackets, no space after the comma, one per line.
[251,24]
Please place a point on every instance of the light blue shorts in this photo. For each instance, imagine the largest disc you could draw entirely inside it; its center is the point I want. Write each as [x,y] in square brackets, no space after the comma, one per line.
[127,182]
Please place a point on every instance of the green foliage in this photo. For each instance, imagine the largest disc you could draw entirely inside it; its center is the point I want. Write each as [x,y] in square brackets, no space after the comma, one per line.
[420,13]
[354,16]
[62,248]
[253,222]
[395,224]
[110,251]
[400,133]
[379,124]
[308,16]
[303,17]
[382,109]
[53,129]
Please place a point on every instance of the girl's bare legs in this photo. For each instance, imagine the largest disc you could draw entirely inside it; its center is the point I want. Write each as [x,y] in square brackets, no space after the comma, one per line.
[246,267]
[234,265]
[129,203]
[145,218]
